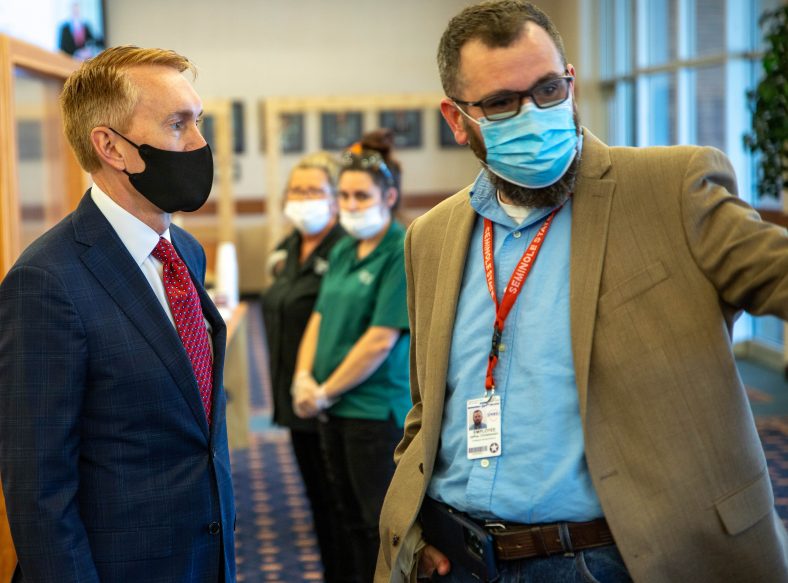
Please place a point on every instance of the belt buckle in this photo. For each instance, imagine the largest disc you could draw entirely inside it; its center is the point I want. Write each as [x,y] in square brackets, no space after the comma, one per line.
[566,539]
[497,525]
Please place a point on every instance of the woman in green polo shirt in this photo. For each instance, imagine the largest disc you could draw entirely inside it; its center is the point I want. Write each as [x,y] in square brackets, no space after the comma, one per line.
[352,365]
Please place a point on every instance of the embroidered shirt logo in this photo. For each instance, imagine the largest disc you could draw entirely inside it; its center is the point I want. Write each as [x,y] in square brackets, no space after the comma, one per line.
[321,266]
[366,277]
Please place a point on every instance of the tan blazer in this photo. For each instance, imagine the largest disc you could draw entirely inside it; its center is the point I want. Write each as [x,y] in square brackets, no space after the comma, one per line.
[662,259]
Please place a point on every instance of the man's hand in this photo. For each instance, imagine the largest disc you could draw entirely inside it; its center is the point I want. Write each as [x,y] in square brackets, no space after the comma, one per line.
[432,560]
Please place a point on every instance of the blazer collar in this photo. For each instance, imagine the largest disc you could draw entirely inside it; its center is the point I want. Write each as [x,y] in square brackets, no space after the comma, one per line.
[454,249]
[590,221]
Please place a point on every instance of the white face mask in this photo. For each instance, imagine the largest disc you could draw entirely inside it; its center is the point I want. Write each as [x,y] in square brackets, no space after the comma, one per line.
[309,216]
[364,224]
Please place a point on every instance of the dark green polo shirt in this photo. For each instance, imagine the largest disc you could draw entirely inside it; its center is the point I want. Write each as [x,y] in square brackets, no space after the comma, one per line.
[356,294]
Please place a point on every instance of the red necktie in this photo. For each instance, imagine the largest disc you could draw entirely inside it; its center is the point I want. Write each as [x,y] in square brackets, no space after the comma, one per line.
[187,313]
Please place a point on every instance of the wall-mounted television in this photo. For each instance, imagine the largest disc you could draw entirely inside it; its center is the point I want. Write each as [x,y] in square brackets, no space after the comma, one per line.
[75,27]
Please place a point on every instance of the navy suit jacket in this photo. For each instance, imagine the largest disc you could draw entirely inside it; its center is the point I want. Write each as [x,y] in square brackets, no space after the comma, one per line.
[109,468]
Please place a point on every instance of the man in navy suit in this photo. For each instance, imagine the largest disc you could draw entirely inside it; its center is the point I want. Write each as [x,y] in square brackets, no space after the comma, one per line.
[113,443]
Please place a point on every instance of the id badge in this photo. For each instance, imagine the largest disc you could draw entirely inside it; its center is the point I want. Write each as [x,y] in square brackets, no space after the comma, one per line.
[483,419]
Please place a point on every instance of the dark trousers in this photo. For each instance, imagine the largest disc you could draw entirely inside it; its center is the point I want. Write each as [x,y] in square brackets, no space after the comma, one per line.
[306,447]
[358,456]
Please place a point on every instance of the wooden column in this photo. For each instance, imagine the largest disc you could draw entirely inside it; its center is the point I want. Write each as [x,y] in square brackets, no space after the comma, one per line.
[223,157]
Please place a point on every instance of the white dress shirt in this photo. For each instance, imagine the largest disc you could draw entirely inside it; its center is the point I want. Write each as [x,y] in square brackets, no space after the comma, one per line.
[140,240]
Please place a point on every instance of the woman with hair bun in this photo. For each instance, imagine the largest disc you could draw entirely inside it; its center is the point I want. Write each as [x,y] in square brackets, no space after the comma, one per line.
[352,366]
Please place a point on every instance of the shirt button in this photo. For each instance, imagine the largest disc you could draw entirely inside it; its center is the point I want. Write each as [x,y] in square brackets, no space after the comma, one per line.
[214,528]
[395,540]
[485,463]
[517,234]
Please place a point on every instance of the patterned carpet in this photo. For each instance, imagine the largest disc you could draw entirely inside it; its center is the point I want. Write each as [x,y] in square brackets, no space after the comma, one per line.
[274,537]
[774,436]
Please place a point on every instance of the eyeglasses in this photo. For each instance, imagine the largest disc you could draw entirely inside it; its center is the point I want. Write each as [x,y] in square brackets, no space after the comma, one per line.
[507,104]
[353,159]
[307,192]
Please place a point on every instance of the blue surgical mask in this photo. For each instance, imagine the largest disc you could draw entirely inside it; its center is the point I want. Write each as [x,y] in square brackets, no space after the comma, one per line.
[533,149]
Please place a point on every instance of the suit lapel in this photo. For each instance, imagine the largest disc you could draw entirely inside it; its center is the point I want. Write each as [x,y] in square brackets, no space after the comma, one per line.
[454,250]
[590,220]
[109,261]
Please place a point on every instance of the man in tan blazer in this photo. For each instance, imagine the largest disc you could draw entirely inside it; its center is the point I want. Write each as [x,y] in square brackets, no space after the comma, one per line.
[665,479]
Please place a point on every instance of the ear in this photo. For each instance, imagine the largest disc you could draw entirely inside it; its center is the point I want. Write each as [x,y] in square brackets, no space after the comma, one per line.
[454,118]
[570,70]
[104,144]
[390,197]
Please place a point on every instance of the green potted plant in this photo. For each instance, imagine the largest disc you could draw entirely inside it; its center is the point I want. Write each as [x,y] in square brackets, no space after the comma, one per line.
[769,135]
[769,105]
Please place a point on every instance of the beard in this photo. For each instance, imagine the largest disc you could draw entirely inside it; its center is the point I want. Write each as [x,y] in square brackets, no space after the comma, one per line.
[548,196]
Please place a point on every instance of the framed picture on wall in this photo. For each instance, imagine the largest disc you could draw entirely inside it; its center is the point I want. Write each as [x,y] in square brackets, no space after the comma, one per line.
[208,130]
[291,137]
[30,139]
[339,130]
[239,125]
[261,126]
[445,135]
[406,125]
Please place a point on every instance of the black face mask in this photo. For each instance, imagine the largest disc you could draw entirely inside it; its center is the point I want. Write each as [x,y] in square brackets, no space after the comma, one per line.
[173,181]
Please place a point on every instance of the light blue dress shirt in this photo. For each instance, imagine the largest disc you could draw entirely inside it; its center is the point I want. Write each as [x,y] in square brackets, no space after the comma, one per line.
[541,475]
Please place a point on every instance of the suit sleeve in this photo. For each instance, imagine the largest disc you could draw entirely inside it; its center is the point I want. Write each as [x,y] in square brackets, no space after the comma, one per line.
[745,258]
[43,361]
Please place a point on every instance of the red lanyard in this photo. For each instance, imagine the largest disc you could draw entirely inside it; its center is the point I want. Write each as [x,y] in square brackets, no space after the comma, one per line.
[516,283]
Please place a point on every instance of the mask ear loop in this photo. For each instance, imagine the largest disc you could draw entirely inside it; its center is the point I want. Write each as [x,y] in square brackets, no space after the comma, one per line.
[466,114]
[125,138]
[129,141]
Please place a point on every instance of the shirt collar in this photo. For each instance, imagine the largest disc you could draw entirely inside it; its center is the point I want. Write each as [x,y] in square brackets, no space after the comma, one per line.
[135,235]
[484,200]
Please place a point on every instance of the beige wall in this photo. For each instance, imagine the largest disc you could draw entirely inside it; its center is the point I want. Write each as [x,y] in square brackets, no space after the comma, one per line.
[253,49]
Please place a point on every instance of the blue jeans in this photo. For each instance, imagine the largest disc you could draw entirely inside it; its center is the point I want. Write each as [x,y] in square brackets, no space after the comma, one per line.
[599,565]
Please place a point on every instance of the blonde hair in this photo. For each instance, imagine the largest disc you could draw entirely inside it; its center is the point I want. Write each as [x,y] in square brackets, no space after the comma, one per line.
[321,161]
[100,93]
